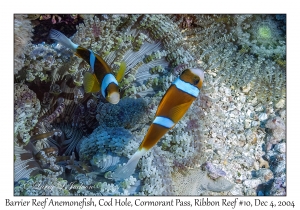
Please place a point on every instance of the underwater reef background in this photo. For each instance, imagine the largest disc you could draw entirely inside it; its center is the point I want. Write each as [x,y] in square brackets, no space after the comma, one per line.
[232,140]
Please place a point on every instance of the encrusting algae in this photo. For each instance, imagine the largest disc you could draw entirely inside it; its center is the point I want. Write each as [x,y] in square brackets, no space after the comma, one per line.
[116,106]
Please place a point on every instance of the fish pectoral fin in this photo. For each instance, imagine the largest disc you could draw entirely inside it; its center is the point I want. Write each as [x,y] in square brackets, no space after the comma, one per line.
[90,83]
[177,112]
[121,71]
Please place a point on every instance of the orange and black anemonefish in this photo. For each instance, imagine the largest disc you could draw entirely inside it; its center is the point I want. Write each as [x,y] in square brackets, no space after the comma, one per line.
[102,77]
[174,104]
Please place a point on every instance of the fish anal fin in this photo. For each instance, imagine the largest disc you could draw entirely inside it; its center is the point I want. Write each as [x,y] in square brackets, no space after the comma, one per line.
[90,83]
[121,71]
[177,112]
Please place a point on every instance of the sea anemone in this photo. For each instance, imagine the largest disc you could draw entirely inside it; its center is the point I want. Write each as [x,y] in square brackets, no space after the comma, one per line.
[77,137]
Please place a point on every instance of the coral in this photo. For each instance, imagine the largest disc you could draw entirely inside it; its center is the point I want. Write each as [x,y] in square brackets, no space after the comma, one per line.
[265,38]
[71,139]
[279,186]
[277,126]
[128,113]
[277,159]
[263,163]
[22,37]
[60,108]
[26,109]
[41,61]
[118,140]
[43,23]
[104,162]
[76,139]
[163,171]
[25,164]
[262,181]
[55,19]
[197,182]
[44,140]
[42,185]
[212,171]
[243,49]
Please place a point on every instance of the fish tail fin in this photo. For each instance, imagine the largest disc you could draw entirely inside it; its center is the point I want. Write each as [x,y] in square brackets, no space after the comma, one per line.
[121,71]
[128,169]
[90,83]
[62,39]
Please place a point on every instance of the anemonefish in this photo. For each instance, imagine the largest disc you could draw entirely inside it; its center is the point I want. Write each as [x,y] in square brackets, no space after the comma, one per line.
[102,77]
[174,104]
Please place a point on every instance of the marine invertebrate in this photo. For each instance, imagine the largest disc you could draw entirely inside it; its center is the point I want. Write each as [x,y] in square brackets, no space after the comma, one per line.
[197,182]
[277,159]
[279,186]
[213,172]
[41,185]
[268,36]
[25,164]
[60,108]
[44,139]
[225,126]
[42,23]
[169,112]
[263,163]
[252,46]
[128,113]
[26,109]
[71,138]
[101,78]
[22,37]
[277,126]
[120,141]
[105,161]
[40,62]
[153,169]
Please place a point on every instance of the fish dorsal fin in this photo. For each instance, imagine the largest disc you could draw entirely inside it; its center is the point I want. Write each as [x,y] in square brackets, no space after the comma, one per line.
[177,112]
[121,71]
[78,55]
[90,83]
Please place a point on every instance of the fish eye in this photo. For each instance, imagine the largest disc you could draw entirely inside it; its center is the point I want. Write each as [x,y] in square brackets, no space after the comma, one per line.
[196,80]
